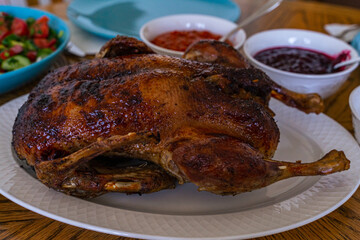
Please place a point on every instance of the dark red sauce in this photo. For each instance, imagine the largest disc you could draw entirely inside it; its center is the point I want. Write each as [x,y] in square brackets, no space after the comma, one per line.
[180,40]
[300,60]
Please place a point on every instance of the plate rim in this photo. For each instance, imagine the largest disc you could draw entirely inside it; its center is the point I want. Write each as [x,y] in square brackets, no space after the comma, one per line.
[279,109]
[73,13]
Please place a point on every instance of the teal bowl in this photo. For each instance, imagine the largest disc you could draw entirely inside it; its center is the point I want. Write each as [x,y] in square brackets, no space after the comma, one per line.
[17,78]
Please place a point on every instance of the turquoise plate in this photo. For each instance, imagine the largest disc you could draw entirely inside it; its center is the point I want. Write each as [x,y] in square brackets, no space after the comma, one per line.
[125,17]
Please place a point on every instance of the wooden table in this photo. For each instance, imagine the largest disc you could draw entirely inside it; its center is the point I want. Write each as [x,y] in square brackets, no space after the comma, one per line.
[17,222]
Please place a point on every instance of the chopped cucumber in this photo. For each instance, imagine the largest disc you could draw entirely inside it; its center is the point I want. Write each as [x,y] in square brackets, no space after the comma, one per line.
[42,53]
[15,62]
[13,43]
[30,21]
[29,45]
[60,34]
[12,37]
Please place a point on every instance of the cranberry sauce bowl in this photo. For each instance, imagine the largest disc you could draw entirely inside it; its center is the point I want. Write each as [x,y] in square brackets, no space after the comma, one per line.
[301,60]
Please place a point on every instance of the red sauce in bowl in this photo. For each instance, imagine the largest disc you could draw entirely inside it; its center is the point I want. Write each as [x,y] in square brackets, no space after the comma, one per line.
[180,40]
[300,60]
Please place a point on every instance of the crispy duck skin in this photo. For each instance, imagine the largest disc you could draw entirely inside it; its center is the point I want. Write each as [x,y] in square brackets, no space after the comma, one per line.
[197,122]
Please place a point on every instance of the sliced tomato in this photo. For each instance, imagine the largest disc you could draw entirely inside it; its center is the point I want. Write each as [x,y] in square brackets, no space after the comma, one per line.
[43,19]
[16,50]
[32,55]
[2,21]
[44,43]
[41,42]
[19,27]
[52,42]
[4,35]
[40,29]
[4,32]
[4,55]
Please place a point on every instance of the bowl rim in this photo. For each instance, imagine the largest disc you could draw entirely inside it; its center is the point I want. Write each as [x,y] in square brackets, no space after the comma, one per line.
[180,53]
[50,56]
[324,76]
[355,92]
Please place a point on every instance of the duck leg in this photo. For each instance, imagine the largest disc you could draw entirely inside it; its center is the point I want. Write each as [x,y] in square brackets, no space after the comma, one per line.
[334,161]
[225,165]
[97,179]
[307,103]
[75,173]
[212,51]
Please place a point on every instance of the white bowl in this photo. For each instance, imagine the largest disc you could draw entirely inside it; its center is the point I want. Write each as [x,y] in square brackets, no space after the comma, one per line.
[324,84]
[188,22]
[354,102]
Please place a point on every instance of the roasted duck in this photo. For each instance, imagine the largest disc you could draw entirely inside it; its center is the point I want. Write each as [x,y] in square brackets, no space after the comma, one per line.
[136,122]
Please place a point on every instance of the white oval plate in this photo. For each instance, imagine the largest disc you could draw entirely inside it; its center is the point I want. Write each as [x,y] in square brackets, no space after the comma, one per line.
[184,213]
